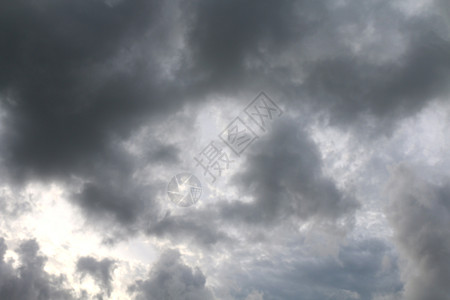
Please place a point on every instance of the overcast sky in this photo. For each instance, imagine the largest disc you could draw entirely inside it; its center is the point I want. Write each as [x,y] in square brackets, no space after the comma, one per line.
[329,121]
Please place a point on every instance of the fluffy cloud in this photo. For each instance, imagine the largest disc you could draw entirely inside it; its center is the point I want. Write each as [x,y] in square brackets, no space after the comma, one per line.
[101,271]
[170,278]
[30,281]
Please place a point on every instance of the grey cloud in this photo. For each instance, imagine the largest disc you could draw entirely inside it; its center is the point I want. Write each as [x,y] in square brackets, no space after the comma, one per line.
[224,35]
[419,212]
[79,77]
[353,88]
[112,200]
[77,80]
[302,49]
[202,228]
[165,154]
[67,89]
[30,281]
[283,175]
[170,278]
[363,269]
[101,271]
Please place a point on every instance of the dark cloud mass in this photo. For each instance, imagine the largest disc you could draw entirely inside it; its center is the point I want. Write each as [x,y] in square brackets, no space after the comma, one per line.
[71,79]
[101,271]
[284,176]
[388,91]
[246,43]
[64,90]
[225,35]
[101,101]
[30,281]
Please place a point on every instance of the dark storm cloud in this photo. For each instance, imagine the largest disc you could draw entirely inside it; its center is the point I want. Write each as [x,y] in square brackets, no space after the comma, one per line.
[112,198]
[238,45]
[283,173]
[30,281]
[353,88]
[78,78]
[101,271]
[65,100]
[170,278]
[225,35]
[302,49]
[112,201]
[104,201]
[64,97]
[420,215]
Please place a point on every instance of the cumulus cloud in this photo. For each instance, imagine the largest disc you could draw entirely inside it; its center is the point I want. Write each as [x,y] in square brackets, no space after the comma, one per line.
[101,271]
[30,281]
[170,278]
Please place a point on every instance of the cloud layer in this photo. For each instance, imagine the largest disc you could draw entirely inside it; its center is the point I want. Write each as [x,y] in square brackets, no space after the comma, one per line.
[107,100]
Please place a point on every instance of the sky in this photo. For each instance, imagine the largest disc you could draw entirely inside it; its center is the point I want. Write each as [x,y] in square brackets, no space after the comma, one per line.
[313,136]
